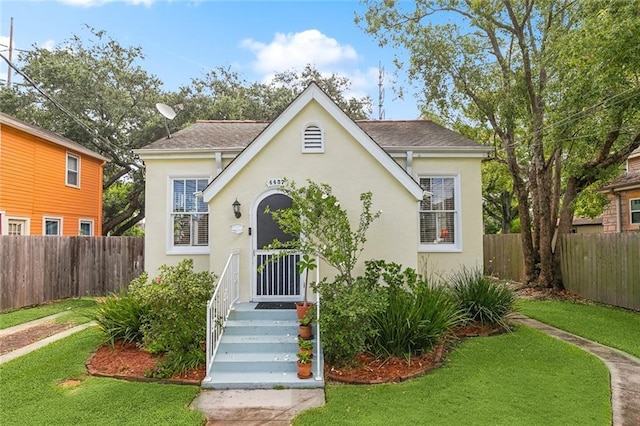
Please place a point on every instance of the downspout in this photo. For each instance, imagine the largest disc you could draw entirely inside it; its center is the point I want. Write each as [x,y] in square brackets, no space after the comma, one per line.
[218,162]
[409,165]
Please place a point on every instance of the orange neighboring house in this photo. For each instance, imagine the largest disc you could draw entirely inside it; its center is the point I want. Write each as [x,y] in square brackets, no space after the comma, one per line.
[49,185]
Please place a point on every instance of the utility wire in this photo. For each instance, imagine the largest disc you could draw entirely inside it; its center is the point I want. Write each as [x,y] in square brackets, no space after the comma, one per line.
[55,102]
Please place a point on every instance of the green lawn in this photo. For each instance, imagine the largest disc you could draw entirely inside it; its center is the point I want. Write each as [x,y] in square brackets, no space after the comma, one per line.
[614,327]
[30,393]
[522,378]
[79,311]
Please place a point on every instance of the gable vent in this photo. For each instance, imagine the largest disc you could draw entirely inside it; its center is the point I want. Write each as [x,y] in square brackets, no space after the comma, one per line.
[313,140]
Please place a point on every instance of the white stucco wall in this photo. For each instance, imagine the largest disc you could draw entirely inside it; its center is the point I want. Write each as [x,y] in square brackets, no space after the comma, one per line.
[157,210]
[345,166]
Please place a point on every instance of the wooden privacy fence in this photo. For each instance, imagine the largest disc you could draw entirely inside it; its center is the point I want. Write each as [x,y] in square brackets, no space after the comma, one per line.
[601,267]
[503,256]
[37,269]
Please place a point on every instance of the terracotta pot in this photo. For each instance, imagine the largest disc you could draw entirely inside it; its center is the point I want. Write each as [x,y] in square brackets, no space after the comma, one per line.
[301,309]
[305,332]
[304,370]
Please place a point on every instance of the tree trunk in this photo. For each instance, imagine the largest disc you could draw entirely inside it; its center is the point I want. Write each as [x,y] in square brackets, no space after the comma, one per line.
[520,188]
[548,272]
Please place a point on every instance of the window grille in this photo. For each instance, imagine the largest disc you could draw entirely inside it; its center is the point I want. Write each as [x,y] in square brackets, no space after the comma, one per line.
[438,212]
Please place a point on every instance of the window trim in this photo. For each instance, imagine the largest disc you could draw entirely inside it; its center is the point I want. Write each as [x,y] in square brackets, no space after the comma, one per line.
[6,219]
[67,170]
[456,247]
[52,218]
[91,223]
[305,149]
[631,222]
[181,250]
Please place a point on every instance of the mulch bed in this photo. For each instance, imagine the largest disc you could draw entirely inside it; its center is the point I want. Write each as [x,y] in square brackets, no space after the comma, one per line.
[371,370]
[127,361]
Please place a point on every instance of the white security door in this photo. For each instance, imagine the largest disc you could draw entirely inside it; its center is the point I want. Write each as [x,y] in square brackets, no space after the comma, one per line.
[276,277]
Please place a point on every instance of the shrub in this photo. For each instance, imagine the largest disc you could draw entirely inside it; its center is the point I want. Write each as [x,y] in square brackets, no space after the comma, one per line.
[346,318]
[119,317]
[417,315]
[174,319]
[482,298]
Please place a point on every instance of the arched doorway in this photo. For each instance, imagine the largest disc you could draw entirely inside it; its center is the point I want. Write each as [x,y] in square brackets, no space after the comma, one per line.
[276,275]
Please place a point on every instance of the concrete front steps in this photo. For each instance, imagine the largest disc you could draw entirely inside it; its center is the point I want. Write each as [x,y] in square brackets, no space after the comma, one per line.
[258,351]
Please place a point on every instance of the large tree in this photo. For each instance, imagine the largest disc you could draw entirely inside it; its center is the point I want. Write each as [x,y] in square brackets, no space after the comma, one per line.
[94,92]
[223,94]
[556,81]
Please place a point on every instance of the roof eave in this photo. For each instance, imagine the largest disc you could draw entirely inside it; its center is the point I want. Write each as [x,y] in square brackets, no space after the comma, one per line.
[182,152]
[56,139]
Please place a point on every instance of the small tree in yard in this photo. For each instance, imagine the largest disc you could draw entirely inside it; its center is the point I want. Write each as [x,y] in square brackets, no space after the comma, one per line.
[348,303]
[323,225]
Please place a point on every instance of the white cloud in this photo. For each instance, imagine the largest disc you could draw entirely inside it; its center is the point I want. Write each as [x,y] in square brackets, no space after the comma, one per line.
[295,50]
[326,54]
[49,45]
[94,3]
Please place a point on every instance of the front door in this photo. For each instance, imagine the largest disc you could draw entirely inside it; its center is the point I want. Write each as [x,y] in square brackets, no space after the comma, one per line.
[276,276]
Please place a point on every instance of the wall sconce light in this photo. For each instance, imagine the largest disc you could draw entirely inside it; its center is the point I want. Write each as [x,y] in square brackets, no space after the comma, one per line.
[236,209]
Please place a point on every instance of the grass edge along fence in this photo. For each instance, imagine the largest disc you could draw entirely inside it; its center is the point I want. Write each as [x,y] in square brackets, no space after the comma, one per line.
[38,269]
[600,267]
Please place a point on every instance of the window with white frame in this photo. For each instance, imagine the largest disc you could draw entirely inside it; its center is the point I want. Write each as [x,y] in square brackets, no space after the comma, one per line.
[189,213]
[73,170]
[439,212]
[85,227]
[16,227]
[313,139]
[634,211]
[52,226]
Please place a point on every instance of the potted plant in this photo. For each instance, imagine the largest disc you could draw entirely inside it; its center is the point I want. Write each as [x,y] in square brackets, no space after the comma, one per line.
[305,346]
[305,264]
[305,325]
[304,365]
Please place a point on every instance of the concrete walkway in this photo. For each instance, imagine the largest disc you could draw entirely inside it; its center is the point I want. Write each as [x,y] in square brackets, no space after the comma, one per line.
[40,343]
[275,407]
[624,370]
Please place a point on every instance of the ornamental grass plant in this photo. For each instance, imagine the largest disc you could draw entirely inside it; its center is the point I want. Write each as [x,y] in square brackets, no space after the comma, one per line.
[120,318]
[417,317]
[481,298]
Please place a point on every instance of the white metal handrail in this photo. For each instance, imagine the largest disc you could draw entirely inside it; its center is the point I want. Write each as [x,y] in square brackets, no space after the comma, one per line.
[319,367]
[219,307]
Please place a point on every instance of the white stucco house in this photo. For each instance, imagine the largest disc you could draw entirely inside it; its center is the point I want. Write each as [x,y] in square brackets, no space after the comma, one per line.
[194,178]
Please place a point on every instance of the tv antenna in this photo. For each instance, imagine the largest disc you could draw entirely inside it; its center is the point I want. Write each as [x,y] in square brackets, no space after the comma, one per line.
[169,114]
[380,91]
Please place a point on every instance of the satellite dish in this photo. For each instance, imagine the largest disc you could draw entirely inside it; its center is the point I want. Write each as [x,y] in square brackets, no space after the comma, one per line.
[166,111]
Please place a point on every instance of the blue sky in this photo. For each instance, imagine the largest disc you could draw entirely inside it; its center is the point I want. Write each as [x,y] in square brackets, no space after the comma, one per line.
[184,39]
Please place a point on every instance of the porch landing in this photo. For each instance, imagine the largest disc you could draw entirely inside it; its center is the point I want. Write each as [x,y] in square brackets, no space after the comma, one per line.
[258,351]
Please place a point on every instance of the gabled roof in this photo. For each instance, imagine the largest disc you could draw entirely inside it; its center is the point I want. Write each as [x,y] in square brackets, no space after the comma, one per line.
[312,93]
[7,120]
[214,135]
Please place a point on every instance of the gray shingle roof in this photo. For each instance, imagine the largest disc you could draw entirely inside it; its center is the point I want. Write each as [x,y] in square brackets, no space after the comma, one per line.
[623,181]
[238,134]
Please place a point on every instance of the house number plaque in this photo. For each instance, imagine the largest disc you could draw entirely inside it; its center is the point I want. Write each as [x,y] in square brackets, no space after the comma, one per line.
[275,182]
